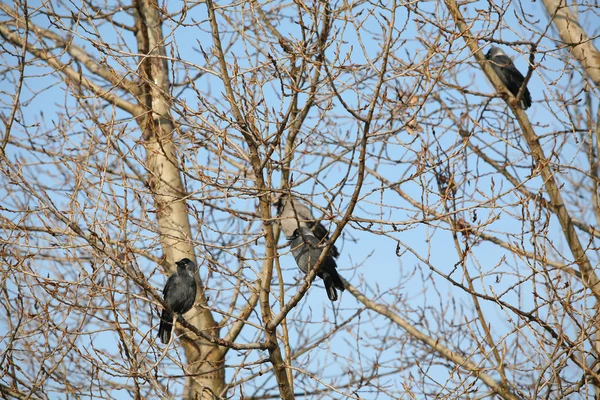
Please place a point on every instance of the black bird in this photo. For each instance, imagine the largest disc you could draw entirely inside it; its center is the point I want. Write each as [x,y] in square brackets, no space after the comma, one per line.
[180,294]
[508,74]
[295,214]
[305,249]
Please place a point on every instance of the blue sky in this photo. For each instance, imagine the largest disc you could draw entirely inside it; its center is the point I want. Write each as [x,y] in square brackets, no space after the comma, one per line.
[369,261]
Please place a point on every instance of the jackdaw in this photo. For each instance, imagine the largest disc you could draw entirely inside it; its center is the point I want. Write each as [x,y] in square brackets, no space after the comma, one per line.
[508,74]
[305,249]
[295,214]
[180,294]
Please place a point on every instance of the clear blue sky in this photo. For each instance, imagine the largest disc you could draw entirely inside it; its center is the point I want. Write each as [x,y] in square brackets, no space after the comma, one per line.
[369,261]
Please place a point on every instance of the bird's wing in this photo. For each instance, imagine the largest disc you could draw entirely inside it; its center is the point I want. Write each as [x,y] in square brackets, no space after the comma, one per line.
[302,246]
[313,245]
[319,230]
[512,73]
[322,234]
[169,285]
[312,241]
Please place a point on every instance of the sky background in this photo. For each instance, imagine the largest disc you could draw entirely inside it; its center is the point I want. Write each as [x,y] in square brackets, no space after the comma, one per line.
[368,261]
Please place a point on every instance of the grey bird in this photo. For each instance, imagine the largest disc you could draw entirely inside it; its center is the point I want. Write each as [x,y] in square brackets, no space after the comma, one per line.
[294,214]
[508,74]
[305,249]
[180,294]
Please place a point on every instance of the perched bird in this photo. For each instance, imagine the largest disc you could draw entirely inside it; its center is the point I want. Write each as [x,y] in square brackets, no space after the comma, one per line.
[180,294]
[305,249]
[295,214]
[508,74]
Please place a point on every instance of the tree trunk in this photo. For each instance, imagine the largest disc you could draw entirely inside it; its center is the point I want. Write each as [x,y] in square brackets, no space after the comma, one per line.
[206,378]
[582,47]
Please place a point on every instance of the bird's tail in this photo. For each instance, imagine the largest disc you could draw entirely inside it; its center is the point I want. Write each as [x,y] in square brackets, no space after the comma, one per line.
[165,327]
[526,99]
[332,280]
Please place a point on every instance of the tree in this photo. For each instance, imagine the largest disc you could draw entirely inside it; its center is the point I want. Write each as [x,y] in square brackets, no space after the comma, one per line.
[139,134]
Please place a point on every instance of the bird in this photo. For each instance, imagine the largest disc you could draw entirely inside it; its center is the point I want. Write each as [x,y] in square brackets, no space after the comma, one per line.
[180,294]
[295,214]
[508,74]
[304,245]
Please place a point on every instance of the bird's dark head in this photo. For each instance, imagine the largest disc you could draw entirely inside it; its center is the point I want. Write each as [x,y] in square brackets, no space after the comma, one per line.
[186,263]
[300,232]
[295,235]
[493,52]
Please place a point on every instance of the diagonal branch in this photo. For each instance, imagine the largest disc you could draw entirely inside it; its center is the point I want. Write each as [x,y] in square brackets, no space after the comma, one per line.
[589,277]
[457,359]
[70,73]
[78,53]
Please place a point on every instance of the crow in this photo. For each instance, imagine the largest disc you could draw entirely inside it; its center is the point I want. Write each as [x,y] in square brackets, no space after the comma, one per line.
[180,294]
[305,249]
[508,74]
[295,214]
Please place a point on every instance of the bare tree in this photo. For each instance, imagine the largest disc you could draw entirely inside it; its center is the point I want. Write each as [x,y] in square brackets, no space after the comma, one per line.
[139,134]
